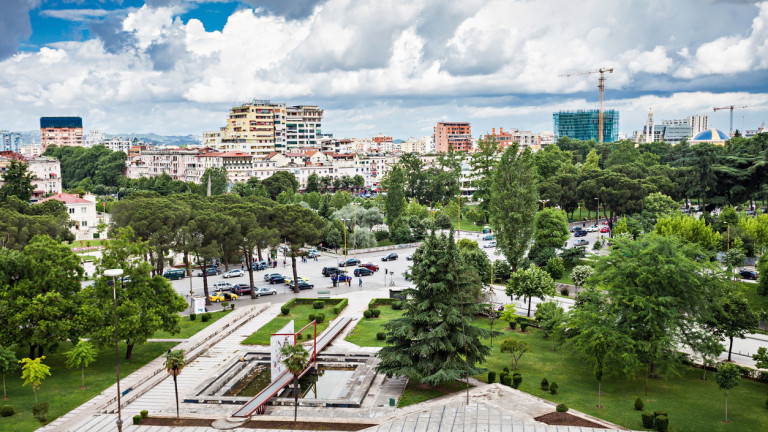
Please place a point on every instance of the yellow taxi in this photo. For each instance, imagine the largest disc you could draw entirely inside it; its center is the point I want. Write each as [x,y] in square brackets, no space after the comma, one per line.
[222,296]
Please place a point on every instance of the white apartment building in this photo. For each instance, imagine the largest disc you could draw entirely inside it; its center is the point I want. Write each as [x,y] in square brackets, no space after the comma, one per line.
[93,138]
[120,144]
[421,145]
[82,211]
[32,151]
[47,175]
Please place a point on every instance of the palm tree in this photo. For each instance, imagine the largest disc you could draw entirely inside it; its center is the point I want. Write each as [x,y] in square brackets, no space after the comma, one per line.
[174,363]
[295,359]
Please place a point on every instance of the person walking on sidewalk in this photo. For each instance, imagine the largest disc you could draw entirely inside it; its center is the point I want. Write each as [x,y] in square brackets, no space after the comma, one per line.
[360,282]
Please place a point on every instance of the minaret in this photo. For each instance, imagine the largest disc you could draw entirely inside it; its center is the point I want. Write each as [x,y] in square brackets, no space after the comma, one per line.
[649,129]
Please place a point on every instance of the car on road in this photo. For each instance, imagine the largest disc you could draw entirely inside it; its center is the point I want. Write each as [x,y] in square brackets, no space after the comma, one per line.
[409,257]
[580,234]
[233,273]
[362,271]
[330,271]
[604,230]
[289,280]
[350,262]
[222,296]
[222,286]
[259,265]
[370,266]
[581,242]
[341,277]
[592,228]
[174,274]
[268,276]
[241,289]
[490,245]
[312,254]
[390,257]
[210,271]
[277,278]
[489,237]
[748,274]
[305,285]
[576,228]
[266,291]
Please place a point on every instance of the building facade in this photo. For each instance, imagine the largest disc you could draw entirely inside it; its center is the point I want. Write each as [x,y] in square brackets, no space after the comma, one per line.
[93,138]
[585,125]
[456,136]
[46,173]
[61,131]
[10,141]
[83,214]
[303,127]
[521,137]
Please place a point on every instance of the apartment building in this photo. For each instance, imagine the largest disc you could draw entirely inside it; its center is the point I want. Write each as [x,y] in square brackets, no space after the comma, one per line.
[523,138]
[10,141]
[61,131]
[93,138]
[456,136]
[82,211]
[303,127]
[46,173]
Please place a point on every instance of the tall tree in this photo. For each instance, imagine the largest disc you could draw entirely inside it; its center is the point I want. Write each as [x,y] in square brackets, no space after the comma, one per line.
[8,364]
[299,226]
[514,201]
[280,181]
[218,180]
[551,231]
[174,363]
[313,183]
[734,318]
[295,358]
[434,341]
[255,232]
[395,200]
[482,162]
[728,377]
[207,230]
[531,282]
[17,181]
[415,178]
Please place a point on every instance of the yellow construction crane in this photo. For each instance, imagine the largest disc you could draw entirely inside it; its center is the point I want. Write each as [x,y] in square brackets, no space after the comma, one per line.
[731,108]
[601,86]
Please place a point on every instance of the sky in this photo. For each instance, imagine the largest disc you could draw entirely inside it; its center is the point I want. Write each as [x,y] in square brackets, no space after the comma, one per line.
[176,67]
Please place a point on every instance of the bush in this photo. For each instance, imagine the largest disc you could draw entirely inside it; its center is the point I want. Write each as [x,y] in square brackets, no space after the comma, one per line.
[376,312]
[320,318]
[648,420]
[661,423]
[659,413]
[639,404]
[381,336]
[502,377]
[367,313]
[381,235]
[523,326]
[397,305]
[224,305]
[192,317]
[516,380]
[39,410]
[144,413]
[506,369]
[555,267]
[598,244]
[232,306]
[491,377]
[561,408]
[318,304]
[565,291]
[311,317]
[137,419]
[545,384]
[7,411]
[340,306]
[507,381]
[285,310]
[553,388]
[513,325]
[205,317]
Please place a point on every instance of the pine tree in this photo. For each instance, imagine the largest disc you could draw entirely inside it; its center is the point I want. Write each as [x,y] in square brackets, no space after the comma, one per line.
[433,337]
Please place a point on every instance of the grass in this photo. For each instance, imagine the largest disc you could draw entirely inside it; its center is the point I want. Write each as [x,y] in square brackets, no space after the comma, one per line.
[87,257]
[415,393]
[692,404]
[299,314]
[385,242]
[87,243]
[188,327]
[364,333]
[466,226]
[756,301]
[62,388]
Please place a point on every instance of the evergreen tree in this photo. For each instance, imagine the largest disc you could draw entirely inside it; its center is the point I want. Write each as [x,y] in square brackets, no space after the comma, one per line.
[395,200]
[17,181]
[430,342]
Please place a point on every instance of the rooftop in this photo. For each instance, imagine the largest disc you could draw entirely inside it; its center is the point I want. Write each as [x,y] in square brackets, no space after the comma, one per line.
[67,199]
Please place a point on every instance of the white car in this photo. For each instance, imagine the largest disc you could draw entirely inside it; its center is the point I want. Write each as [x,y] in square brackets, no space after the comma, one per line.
[592,228]
[266,291]
[234,273]
[222,286]
[490,245]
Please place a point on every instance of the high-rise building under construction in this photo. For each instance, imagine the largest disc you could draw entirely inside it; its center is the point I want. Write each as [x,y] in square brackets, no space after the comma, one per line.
[585,125]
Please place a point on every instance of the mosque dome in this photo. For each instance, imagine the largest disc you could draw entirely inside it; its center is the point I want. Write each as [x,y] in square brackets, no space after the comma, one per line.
[710,135]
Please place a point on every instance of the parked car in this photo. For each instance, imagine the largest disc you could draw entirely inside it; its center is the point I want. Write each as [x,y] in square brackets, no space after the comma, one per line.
[330,271]
[241,289]
[576,228]
[268,276]
[490,245]
[266,291]
[581,242]
[748,274]
[350,263]
[370,266]
[409,257]
[311,254]
[362,271]
[289,280]
[174,274]
[259,265]
[580,234]
[233,273]
[277,278]
[305,285]
[222,286]
[489,237]
[341,277]
[604,230]
[210,271]
[592,228]
[222,296]
[390,257]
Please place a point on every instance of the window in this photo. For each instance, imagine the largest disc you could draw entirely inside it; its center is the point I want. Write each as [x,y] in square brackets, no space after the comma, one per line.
[83,210]
[84,223]
[71,211]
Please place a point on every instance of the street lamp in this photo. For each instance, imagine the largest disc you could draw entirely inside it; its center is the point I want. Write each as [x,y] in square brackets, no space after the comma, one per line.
[544,203]
[114,274]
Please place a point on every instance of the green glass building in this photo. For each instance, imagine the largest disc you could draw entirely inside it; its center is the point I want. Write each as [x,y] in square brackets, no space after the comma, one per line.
[585,125]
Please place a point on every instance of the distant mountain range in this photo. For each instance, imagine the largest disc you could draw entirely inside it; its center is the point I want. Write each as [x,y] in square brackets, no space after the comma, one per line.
[33,136]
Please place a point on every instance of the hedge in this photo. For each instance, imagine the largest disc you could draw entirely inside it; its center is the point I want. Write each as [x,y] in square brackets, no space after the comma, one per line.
[381,301]
[308,301]
[340,306]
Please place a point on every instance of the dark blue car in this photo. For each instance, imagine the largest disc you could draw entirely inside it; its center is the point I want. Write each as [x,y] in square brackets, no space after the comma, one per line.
[277,278]
[580,234]
[341,278]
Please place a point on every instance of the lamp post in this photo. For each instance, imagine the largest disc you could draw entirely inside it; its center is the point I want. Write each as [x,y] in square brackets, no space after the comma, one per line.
[114,274]
[544,203]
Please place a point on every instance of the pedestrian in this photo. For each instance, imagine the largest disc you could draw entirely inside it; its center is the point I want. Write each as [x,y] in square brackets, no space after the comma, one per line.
[242,267]
[315,258]
[360,283]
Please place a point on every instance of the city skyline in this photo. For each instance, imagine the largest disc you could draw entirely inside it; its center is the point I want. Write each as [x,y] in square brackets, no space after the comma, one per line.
[176,67]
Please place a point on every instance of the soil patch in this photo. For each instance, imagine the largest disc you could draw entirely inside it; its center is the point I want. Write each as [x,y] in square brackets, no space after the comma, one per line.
[261,424]
[565,419]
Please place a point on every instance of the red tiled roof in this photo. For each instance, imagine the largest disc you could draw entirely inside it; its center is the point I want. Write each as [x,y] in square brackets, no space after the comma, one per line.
[271,155]
[67,199]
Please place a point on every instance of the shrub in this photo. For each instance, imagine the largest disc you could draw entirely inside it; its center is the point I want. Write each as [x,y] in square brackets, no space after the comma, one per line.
[320,318]
[318,304]
[376,312]
[224,305]
[597,245]
[648,420]
[553,388]
[205,317]
[491,377]
[561,408]
[545,384]
[506,369]
[285,310]
[523,326]
[137,419]
[565,291]
[39,410]
[311,317]
[516,380]
[661,423]
[367,313]
[381,336]
[232,306]
[397,305]
[639,404]
[766,403]
[7,411]
[513,325]
[340,306]
[502,377]
[659,413]
[507,381]
[555,267]
[381,235]
[144,413]
[192,317]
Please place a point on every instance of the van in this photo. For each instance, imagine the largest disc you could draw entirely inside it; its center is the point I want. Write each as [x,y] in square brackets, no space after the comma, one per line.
[174,274]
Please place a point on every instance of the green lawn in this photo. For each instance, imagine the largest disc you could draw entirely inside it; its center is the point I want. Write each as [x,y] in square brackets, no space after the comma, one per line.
[415,393]
[62,388]
[466,226]
[692,404]
[85,243]
[364,333]
[188,327]
[300,315]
